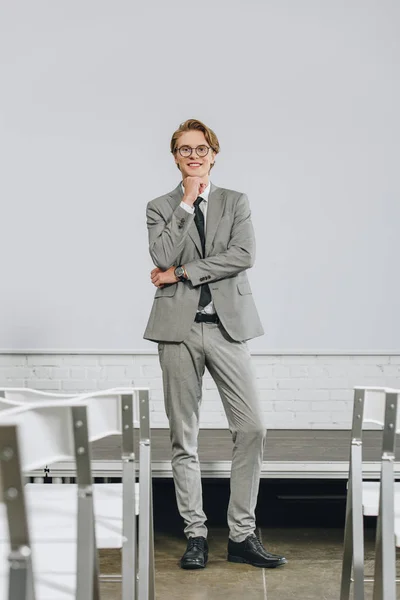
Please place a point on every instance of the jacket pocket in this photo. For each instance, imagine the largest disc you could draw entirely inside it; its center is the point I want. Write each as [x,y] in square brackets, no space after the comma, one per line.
[166,291]
[244,288]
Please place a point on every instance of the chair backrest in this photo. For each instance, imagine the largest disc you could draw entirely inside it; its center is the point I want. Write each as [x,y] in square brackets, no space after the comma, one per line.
[45,432]
[370,407]
[50,424]
[105,410]
[22,395]
[13,397]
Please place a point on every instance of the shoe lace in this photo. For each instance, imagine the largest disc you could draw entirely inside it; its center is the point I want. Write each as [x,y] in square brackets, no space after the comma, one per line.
[196,542]
[257,542]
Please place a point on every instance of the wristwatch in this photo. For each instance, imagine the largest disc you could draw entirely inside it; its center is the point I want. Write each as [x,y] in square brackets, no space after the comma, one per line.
[180,273]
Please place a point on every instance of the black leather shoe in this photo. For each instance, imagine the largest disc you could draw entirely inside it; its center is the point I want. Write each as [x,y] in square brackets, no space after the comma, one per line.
[196,555]
[252,552]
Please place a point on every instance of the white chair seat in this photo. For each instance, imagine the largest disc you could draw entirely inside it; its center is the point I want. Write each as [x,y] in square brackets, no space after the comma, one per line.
[370,498]
[54,567]
[52,513]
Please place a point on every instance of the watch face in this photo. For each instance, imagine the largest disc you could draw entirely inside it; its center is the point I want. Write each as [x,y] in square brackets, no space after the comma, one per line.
[179,271]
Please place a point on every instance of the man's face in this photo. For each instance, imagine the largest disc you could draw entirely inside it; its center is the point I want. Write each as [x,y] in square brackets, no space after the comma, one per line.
[194,165]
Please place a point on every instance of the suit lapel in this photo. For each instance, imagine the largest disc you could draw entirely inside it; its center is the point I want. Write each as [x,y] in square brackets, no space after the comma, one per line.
[214,213]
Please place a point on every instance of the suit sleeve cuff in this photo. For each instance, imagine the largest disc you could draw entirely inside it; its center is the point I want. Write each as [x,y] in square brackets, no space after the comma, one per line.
[186,207]
[187,274]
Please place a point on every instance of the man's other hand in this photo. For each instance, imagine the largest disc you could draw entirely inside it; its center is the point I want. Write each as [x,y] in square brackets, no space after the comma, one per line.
[160,278]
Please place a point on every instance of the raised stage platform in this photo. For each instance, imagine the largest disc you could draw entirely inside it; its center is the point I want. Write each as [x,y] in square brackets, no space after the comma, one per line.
[298,454]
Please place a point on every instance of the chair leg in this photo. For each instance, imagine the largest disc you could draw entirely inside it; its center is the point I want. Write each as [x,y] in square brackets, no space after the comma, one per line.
[96,566]
[146,589]
[87,576]
[87,567]
[347,562]
[20,585]
[385,547]
[129,567]
[144,520]
[377,593]
[357,522]
[354,529]
[152,587]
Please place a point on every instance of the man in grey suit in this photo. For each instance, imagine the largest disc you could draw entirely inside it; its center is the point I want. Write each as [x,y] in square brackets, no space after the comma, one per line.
[201,240]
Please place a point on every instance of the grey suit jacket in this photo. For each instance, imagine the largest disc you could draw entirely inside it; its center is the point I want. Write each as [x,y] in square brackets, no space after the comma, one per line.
[230,250]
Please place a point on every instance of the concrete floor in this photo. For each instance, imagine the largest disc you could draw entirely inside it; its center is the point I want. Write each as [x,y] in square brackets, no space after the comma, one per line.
[312,572]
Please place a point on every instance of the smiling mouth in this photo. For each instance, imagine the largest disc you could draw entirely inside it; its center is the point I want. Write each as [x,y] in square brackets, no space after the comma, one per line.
[194,165]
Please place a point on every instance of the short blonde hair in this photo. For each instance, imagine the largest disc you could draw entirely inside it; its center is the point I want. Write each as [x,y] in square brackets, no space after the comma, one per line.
[195,124]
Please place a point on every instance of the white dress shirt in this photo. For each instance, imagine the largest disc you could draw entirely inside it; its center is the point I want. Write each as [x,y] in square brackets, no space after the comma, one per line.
[209,309]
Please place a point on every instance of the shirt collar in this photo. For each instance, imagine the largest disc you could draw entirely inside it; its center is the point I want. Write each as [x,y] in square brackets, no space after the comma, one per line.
[204,194]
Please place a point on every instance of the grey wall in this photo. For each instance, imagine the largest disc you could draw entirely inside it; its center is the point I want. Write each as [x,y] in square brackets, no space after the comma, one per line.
[304,97]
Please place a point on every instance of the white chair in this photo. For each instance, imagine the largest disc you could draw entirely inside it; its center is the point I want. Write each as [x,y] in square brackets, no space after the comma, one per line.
[29,437]
[381,498]
[14,396]
[54,507]
[108,497]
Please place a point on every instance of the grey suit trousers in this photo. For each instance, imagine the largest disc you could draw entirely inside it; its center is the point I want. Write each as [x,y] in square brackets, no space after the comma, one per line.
[230,365]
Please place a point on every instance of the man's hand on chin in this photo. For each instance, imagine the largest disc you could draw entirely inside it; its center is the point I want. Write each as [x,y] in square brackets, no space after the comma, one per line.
[159,278]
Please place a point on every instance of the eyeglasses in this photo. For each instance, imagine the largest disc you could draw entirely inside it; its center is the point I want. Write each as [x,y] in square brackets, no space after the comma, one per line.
[186,151]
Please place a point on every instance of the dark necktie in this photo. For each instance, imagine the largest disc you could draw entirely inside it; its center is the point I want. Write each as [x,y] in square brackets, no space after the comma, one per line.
[205,294]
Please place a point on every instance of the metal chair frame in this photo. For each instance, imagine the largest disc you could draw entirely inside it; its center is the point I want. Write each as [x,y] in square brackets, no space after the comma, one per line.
[137,565]
[385,550]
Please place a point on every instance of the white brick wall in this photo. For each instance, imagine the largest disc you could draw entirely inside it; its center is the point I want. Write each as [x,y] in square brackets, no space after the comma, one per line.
[297,391]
